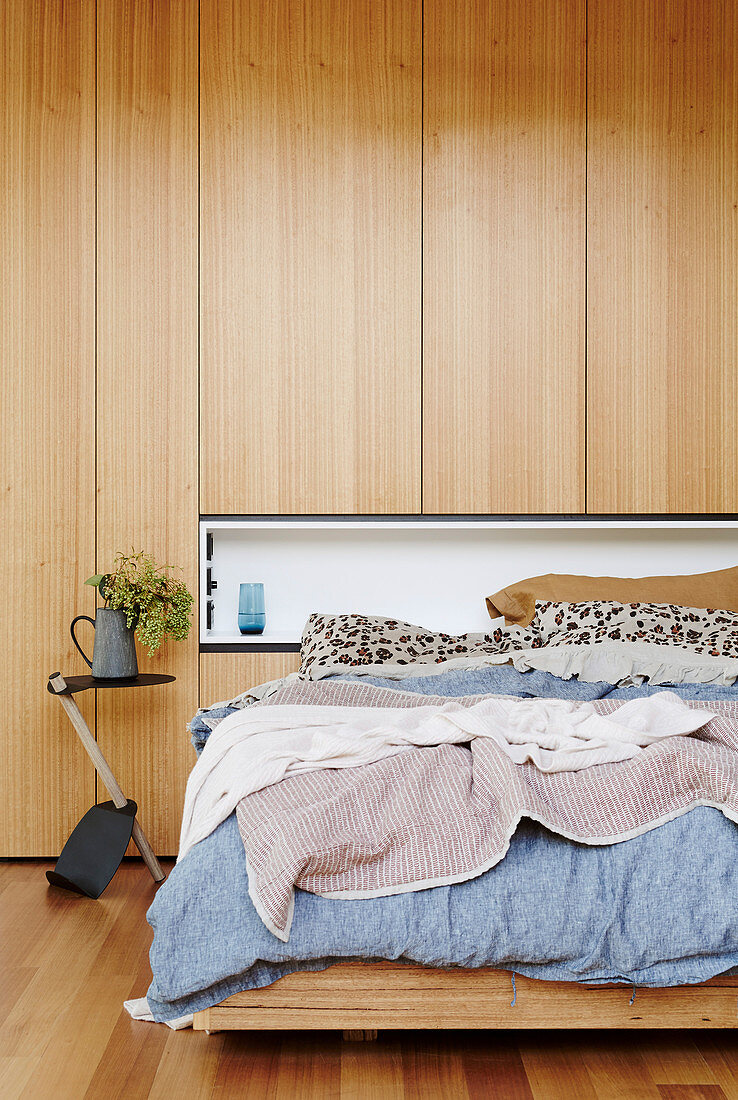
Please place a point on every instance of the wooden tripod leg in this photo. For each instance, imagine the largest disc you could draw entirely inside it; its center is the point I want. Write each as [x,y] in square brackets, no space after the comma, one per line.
[103,770]
[147,853]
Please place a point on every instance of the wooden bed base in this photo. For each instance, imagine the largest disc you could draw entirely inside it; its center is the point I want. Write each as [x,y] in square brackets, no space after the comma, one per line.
[359,998]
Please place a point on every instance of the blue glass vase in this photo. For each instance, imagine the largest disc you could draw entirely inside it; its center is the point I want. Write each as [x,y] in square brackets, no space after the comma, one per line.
[251,613]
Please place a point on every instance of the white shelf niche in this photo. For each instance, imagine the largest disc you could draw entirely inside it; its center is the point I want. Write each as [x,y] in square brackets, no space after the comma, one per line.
[431,572]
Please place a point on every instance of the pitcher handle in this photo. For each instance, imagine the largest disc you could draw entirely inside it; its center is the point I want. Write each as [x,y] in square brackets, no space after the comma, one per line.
[74,638]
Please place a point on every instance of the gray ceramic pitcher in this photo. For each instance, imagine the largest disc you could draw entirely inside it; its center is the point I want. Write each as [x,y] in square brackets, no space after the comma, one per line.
[114,652]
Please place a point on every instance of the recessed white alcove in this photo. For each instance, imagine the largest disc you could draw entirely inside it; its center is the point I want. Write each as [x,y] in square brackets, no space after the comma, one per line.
[432,572]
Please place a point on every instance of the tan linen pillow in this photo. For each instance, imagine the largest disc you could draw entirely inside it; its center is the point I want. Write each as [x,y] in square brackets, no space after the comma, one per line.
[517,602]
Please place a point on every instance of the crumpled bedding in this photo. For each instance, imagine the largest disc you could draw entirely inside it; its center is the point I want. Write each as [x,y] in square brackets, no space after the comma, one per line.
[658,910]
[295,731]
[436,815]
[496,679]
[637,913]
[628,662]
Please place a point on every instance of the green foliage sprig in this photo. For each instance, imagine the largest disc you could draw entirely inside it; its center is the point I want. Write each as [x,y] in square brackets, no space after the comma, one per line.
[156,605]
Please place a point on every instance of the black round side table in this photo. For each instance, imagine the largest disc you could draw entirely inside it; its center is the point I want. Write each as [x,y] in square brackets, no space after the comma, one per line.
[98,842]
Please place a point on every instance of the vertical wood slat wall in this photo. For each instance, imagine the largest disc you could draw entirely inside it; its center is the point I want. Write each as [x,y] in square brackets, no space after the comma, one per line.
[147,368]
[504,256]
[47,394]
[662,235]
[315,228]
[311,231]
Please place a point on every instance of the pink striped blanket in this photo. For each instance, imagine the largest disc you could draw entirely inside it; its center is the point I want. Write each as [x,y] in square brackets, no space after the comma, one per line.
[433,816]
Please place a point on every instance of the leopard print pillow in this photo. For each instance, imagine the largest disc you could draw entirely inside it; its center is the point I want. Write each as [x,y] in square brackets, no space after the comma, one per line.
[350,641]
[712,632]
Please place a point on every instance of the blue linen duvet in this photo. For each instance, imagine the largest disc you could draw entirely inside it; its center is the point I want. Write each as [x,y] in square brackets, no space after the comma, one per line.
[658,910]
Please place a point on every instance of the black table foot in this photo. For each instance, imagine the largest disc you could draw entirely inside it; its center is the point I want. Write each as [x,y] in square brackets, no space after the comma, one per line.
[95,849]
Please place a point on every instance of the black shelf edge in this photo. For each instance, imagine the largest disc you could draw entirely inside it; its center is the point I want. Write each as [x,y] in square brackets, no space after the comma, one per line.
[249,647]
[552,517]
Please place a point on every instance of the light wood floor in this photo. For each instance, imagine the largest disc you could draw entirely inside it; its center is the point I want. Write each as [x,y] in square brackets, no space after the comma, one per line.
[68,963]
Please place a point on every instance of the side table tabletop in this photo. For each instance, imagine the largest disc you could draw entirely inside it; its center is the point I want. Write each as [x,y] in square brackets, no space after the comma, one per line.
[97,845]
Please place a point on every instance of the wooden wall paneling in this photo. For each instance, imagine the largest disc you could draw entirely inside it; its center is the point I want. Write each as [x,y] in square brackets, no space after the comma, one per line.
[147,367]
[503,256]
[663,256]
[224,675]
[310,253]
[47,385]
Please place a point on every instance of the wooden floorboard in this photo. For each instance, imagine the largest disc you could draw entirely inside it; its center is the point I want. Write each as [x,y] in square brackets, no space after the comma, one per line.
[67,963]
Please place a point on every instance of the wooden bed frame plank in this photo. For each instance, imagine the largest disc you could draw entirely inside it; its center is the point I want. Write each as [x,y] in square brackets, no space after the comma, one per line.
[367,996]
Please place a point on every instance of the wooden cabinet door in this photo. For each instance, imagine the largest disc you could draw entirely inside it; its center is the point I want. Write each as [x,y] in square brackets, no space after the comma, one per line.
[224,675]
[503,256]
[663,256]
[147,368]
[47,394]
[310,256]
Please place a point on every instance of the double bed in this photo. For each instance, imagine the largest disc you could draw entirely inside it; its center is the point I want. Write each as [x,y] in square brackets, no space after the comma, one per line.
[633,929]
